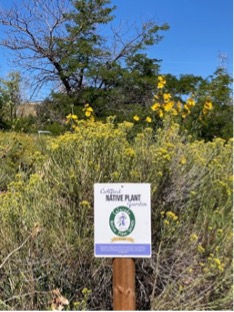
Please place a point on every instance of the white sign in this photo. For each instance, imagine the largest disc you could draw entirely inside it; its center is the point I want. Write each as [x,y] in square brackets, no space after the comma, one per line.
[122,220]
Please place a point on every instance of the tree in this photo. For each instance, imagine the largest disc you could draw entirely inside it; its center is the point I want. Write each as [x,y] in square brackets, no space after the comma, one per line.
[63,41]
[10,96]
[184,85]
[219,122]
[217,89]
[31,31]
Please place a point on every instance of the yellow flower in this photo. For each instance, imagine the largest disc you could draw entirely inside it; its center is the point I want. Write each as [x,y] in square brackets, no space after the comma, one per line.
[129,152]
[168,106]
[193,237]
[85,203]
[183,160]
[166,97]
[217,261]
[136,118]
[71,117]
[174,112]
[172,215]
[161,82]
[89,109]
[166,222]
[54,146]
[208,105]
[148,119]
[200,248]
[190,102]
[160,112]
[88,113]
[155,106]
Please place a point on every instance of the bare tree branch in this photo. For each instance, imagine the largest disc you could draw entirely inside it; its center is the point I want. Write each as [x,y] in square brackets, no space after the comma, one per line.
[31,33]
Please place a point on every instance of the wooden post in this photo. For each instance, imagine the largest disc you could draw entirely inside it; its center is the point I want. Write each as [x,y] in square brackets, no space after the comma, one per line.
[124,298]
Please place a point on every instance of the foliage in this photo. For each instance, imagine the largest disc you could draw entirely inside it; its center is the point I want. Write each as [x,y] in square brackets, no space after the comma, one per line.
[18,154]
[47,219]
[10,97]
[202,107]
[216,88]
[65,42]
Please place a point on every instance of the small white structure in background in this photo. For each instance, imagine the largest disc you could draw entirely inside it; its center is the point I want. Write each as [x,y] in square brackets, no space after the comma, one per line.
[122,220]
[43,132]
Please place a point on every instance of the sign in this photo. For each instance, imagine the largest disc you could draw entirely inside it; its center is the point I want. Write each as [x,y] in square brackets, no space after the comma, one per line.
[122,220]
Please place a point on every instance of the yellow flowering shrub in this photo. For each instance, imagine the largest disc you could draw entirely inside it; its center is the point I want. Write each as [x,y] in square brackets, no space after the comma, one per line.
[46,215]
[166,109]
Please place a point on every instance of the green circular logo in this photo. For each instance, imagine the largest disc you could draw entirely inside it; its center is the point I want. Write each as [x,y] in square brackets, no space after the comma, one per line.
[122,221]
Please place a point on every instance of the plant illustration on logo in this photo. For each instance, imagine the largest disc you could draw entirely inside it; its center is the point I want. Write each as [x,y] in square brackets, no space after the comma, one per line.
[122,221]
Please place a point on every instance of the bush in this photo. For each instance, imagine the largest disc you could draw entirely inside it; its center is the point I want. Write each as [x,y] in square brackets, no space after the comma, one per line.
[19,154]
[47,220]
[24,124]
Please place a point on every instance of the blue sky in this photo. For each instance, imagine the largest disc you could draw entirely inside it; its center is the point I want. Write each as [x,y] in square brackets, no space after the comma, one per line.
[200,31]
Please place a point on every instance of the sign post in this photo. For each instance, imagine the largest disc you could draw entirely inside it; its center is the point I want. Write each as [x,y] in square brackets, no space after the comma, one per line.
[124,297]
[122,230]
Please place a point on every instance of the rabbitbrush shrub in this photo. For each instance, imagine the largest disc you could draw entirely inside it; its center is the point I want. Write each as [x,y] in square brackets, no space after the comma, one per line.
[46,234]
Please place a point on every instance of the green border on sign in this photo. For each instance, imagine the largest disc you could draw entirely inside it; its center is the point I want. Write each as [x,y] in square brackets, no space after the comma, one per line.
[112,221]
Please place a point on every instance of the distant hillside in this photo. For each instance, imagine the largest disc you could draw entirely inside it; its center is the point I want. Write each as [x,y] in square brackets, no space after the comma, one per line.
[27,109]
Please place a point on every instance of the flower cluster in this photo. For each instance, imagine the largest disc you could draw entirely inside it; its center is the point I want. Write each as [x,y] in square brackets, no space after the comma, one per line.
[190,103]
[147,119]
[72,120]
[71,117]
[169,216]
[207,107]
[163,103]
[215,263]
[88,111]
[193,237]
[161,82]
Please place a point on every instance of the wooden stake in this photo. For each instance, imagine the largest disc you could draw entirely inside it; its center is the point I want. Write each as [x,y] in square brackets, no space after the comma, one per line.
[124,298]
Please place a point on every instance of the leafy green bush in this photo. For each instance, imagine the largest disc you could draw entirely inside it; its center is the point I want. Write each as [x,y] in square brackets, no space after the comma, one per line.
[47,220]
